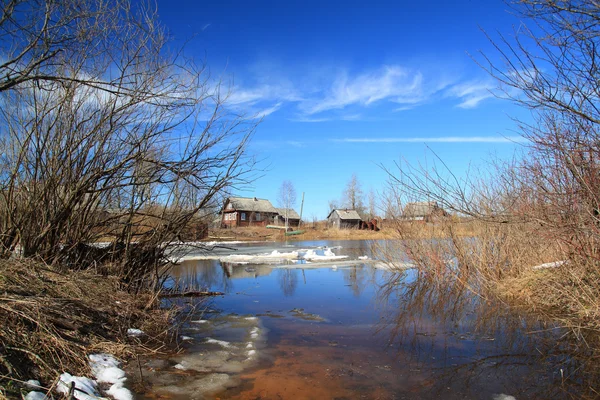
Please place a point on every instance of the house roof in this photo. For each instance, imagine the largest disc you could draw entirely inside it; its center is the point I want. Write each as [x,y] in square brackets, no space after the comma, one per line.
[420,209]
[346,214]
[251,204]
[292,214]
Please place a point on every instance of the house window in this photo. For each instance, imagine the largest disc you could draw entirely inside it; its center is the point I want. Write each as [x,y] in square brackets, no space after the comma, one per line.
[243,216]
[258,216]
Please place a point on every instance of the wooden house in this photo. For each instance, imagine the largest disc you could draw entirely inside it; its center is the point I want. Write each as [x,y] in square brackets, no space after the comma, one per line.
[247,211]
[344,219]
[292,215]
[423,211]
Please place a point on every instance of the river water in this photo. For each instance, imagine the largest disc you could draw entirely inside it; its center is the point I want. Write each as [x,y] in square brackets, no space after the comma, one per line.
[350,328]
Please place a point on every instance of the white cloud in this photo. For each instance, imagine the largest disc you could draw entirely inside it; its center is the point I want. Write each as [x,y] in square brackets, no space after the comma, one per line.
[472,93]
[393,83]
[442,139]
[340,95]
[269,111]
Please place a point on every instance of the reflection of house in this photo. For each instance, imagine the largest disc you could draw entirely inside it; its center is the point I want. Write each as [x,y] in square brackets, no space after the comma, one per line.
[234,271]
[423,211]
[344,219]
[248,211]
[292,215]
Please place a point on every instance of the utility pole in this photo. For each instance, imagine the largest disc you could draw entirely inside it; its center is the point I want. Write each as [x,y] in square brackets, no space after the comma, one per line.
[301,208]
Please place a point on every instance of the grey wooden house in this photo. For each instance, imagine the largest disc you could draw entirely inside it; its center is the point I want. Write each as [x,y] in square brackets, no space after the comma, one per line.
[292,215]
[422,211]
[344,219]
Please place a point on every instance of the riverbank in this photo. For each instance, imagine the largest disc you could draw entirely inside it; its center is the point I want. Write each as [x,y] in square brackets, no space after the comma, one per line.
[52,320]
[321,231]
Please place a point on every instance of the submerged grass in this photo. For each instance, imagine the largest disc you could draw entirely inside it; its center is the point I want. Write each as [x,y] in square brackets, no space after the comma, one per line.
[53,319]
[498,260]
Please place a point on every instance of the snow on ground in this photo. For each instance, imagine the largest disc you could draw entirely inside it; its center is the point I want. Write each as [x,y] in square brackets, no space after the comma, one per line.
[554,264]
[134,332]
[105,368]
[36,396]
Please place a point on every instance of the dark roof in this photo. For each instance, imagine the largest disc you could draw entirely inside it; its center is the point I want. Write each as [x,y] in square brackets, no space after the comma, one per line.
[292,214]
[346,214]
[420,209]
[252,204]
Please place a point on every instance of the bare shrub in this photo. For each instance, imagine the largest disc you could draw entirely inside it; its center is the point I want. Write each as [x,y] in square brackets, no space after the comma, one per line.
[544,205]
[107,134]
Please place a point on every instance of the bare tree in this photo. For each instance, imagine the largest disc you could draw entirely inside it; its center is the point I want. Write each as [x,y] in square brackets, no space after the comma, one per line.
[372,204]
[286,199]
[107,134]
[353,195]
[332,204]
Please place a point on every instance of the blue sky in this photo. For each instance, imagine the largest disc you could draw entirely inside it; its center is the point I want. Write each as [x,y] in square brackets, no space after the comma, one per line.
[345,87]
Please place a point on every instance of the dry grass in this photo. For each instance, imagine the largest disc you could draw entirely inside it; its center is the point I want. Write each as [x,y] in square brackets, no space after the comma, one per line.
[495,260]
[52,320]
[321,231]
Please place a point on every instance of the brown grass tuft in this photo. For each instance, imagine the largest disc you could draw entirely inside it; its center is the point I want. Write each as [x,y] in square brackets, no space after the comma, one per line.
[53,320]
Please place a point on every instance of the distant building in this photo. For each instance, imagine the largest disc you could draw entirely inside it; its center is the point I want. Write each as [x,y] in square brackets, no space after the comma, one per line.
[344,219]
[423,211]
[293,217]
[247,211]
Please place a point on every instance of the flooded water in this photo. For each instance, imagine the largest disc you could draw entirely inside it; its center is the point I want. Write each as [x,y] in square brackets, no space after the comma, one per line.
[298,321]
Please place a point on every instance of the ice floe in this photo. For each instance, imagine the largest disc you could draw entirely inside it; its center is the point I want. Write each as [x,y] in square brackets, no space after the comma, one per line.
[222,348]
[221,343]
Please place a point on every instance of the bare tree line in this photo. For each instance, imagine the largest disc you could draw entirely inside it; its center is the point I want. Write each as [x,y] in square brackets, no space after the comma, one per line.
[107,134]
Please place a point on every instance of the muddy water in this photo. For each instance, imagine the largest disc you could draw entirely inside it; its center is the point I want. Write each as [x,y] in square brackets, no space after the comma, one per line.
[348,330]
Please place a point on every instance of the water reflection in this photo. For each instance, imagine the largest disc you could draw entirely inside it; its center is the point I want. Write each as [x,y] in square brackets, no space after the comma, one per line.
[353,331]
[288,280]
[475,342]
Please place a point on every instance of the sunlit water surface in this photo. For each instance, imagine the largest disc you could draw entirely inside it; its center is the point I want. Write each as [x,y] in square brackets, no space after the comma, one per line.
[347,330]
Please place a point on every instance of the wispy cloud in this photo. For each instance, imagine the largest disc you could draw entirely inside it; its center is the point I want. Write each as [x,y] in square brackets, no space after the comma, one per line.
[442,139]
[205,27]
[393,83]
[337,94]
[295,143]
[472,93]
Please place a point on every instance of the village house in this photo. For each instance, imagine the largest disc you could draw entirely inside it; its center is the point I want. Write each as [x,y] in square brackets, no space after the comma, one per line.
[423,211]
[247,211]
[344,219]
[292,215]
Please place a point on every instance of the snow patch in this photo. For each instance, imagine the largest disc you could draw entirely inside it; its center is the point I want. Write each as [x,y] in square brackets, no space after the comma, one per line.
[554,264]
[106,369]
[321,255]
[85,388]
[36,396]
[503,396]
[134,332]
